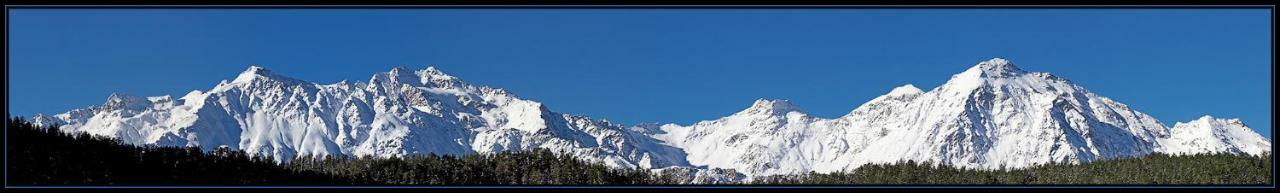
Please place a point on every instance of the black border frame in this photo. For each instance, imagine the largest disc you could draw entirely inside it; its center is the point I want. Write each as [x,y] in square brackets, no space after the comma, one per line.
[655,4]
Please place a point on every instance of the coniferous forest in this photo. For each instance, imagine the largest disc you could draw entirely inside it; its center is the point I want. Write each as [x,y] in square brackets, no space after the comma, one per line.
[40,156]
[1154,169]
[45,156]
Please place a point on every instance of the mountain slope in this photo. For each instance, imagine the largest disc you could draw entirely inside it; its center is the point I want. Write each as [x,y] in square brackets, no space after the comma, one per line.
[396,113]
[990,116]
[1209,134]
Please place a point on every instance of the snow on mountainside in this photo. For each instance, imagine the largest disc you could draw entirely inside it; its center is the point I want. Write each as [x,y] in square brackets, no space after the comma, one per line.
[394,114]
[1209,134]
[990,116]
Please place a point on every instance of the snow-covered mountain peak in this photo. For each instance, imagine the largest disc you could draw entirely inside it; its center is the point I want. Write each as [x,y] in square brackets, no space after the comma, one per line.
[997,61]
[771,107]
[1208,119]
[427,75]
[255,69]
[433,76]
[900,93]
[41,119]
[432,72]
[904,90]
[998,67]
[121,101]
[1210,134]
[117,97]
[251,73]
[993,68]
[400,71]
[397,75]
[1207,123]
[257,73]
[1003,75]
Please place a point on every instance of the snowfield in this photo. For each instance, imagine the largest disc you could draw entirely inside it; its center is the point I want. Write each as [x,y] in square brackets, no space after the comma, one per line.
[990,116]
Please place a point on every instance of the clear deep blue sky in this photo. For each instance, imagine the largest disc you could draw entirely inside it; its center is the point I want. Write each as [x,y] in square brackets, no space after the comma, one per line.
[636,66]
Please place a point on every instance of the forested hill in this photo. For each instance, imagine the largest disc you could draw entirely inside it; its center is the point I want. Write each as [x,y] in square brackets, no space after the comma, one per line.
[44,156]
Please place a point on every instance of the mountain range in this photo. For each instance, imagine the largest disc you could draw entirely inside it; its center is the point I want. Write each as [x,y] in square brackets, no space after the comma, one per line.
[992,115]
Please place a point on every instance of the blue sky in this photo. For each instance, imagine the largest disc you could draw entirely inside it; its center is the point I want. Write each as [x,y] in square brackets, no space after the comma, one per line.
[654,65]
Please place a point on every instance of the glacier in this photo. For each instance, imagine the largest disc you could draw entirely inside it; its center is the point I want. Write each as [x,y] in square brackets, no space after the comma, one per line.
[992,115]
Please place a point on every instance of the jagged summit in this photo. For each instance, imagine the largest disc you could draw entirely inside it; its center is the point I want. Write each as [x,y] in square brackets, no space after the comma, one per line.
[993,68]
[1210,134]
[1204,118]
[397,75]
[431,72]
[996,62]
[400,68]
[771,106]
[1209,119]
[400,71]
[256,73]
[255,69]
[996,71]
[998,67]
[252,72]
[119,96]
[429,76]
[124,101]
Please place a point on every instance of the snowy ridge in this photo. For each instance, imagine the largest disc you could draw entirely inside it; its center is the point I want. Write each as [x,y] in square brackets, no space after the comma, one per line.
[395,113]
[991,115]
[1209,134]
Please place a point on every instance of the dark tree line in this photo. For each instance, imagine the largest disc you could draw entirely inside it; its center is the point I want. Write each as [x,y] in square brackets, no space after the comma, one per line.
[536,167]
[46,156]
[1154,169]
